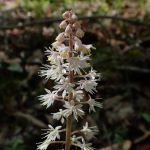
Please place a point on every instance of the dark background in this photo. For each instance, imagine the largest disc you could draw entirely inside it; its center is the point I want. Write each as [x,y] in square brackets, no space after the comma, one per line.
[119,29]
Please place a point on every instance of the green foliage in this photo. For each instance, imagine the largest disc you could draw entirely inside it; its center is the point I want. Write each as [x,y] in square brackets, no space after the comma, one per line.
[146,117]
[16,144]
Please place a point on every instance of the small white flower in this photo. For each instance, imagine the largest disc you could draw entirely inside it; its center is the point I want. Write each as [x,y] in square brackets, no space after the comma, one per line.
[83,48]
[54,72]
[59,115]
[89,132]
[65,86]
[88,85]
[71,108]
[54,57]
[48,99]
[86,146]
[78,63]
[51,135]
[93,75]
[43,146]
[92,104]
[63,48]
[78,95]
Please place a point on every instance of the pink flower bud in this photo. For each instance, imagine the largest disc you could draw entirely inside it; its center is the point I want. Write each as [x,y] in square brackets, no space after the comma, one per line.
[63,25]
[74,17]
[68,29]
[60,37]
[79,33]
[66,15]
[56,44]
[76,25]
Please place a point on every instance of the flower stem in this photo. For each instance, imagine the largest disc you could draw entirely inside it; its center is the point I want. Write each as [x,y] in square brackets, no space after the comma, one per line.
[70,97]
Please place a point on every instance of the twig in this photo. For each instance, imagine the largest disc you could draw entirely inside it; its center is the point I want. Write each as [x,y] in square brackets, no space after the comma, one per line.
[136,44]
[146,135]
[48,21]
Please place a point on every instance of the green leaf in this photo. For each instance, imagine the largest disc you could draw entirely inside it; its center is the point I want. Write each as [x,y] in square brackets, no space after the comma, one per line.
[15,67]
[146,117]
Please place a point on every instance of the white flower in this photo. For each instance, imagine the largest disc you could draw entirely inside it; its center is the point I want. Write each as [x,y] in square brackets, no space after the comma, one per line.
[63,48]
[78,95]
[78,63]
[79,140]
[51,135]
[92,104]
[89,132]
[54,72]
[59,115]
[43,146]
[65,86]
[88,85]
[93,75]
[54,57]
[48,99]
[71,108]
[78,46]
[86,146]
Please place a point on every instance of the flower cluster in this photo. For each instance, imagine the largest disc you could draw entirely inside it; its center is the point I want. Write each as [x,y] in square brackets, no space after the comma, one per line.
[68,61]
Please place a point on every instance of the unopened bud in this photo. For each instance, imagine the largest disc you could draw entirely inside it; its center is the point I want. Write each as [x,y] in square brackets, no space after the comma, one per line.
[68,29]
[79,33]
[74,17]
[60,37]
[63,25]
[66,15]
[76,25]
[56,44]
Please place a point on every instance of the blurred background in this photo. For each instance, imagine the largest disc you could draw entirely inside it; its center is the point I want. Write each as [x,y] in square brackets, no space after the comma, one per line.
[119,29]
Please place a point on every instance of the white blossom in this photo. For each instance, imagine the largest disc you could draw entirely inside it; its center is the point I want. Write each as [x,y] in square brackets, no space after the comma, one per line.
[92,104]
[86,146]
[54,72]
[48,99]
[65,86]
[89,132]
[72,109]
[78,95]
[93,75]
[88,85]
[59,115]
[78,63]
[51,135]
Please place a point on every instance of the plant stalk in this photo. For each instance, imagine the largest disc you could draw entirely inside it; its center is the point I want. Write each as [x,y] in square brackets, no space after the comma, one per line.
[70,97]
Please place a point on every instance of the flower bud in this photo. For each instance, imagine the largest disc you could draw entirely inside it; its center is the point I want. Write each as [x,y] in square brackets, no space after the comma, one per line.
[63,25]
[60,37]
[76,25]
[66,15]
[79,33]
[74,17]
[68,29]
[56,44]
